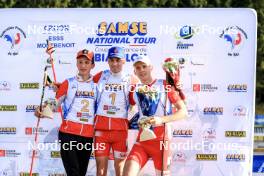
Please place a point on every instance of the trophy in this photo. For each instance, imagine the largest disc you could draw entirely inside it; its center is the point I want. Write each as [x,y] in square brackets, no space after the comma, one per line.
[148,102]
[146,133]
[50,107]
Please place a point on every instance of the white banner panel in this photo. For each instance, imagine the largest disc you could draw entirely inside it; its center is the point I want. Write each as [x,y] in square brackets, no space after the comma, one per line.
[217,52]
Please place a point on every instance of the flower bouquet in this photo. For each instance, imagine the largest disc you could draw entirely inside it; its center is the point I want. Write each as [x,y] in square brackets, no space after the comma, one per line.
[172,69]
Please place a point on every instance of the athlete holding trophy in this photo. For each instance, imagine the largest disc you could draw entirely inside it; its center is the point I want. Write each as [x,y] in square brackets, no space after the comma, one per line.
[77,95]
[154,98]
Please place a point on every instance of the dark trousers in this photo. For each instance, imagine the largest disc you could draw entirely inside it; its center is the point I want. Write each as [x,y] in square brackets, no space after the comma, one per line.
[75,153]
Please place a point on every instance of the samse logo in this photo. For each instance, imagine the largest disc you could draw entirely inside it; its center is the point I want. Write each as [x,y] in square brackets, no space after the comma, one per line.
[120,28]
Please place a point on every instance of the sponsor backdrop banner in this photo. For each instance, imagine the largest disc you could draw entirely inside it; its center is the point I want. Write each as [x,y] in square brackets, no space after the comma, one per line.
[216,49]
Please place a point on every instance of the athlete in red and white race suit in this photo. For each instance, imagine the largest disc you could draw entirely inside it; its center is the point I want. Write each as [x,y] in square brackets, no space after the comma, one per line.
[111,123]
[157,148]
[77,95]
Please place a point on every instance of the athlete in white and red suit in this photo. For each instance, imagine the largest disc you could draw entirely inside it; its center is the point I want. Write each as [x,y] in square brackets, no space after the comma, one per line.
[111,122]
[158,148]
[77,95]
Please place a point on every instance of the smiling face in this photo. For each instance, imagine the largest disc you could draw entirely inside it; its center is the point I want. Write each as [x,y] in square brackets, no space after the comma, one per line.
[116,64]
[143,71]
[84,66]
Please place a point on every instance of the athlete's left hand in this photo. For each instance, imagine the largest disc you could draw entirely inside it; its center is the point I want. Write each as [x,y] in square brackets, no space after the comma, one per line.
[155,120]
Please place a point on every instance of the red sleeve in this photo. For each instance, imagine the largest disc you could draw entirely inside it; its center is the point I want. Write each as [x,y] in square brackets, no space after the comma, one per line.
[131,95]
[62,89]
[173,95]
[97,77]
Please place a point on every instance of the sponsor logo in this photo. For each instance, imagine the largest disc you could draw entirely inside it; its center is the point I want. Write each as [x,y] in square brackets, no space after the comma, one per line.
[181,45]
[240,111]
[64,62]
[28,131]
[56,34]
[57,41]
[8,130]
[74,87]
[2,153]
[4,85]
[182,62]
[8,107]
[114,87]
[213,111]
[182,133]
[204,88]
[235,157]
[115,33]
[132,35]
[237,88]
[9,153]
[185,33]
[84,94]
[209,133]
[31,108]
[179,157]
[234,38]
[119,28]
[198,61]
[206,157]
[14,36]
[84,115]
[56,28]
[55,154]
[111,109]
[196,87]
[32,131]
[235,133]
[29,85]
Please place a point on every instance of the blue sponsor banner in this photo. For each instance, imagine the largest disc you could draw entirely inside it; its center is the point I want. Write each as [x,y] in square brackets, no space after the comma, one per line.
[258,163]
[259,119]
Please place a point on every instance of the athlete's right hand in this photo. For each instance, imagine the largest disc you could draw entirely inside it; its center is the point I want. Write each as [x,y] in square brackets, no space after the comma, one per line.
[141,125]
[38,113]
[144,122]
[56,86]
